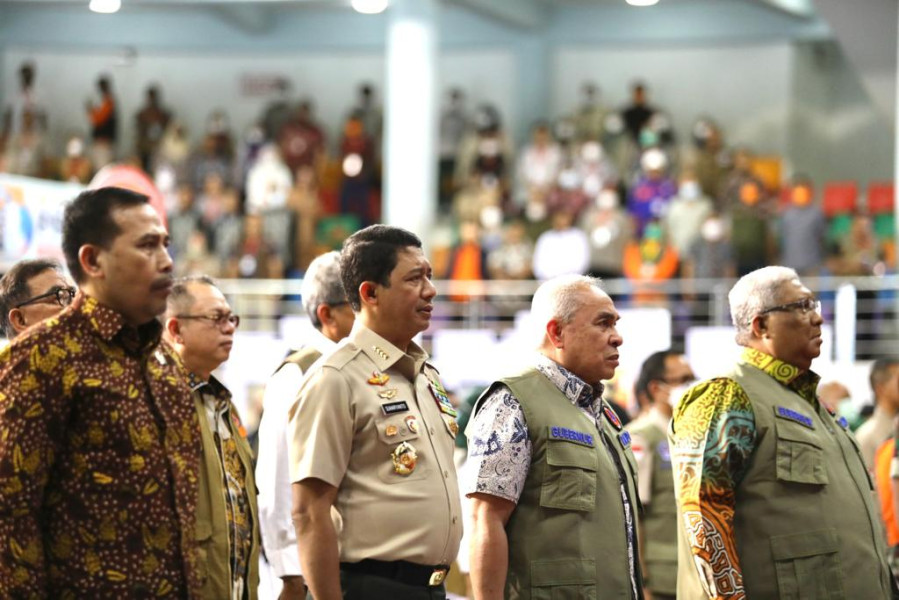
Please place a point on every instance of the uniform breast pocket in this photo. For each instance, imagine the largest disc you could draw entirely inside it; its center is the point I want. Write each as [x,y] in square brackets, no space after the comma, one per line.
[799,457]
[569,481]
[401,446]
[808,565]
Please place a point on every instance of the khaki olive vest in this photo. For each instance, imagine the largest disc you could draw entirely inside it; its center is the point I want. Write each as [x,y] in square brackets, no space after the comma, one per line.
[659,519]
[304,358]
[567,536]
[805,521]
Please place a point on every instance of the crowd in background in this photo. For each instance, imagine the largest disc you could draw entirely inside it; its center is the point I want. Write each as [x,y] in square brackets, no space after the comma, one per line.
[613,192]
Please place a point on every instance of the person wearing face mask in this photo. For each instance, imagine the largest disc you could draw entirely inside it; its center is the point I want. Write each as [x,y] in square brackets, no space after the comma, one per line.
[709,257]
[773,497]
[687,212]
[803,230]
[663,378]
[608,230]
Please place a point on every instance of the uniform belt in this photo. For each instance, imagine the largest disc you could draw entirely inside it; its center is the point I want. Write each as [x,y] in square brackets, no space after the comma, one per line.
[400,570]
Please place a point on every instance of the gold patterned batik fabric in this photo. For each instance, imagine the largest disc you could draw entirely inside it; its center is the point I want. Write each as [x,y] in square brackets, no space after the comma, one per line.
[713,438]
[99,455]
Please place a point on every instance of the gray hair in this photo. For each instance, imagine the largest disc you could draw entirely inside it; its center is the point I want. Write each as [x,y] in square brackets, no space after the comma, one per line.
[558,298]
[753,293]
[322,285]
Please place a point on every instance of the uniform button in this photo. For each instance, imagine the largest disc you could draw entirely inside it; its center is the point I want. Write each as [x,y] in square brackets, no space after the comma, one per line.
[454,520]
[446,473]
[431,429]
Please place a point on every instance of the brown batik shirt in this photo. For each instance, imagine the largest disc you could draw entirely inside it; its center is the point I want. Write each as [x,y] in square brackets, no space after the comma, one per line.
[99,453]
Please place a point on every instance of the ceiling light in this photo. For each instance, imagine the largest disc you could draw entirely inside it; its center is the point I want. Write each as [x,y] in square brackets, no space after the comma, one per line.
[105,6]
[642,2]
[370,7]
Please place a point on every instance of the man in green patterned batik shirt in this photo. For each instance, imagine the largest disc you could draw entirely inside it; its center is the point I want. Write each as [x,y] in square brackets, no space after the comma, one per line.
[773,498]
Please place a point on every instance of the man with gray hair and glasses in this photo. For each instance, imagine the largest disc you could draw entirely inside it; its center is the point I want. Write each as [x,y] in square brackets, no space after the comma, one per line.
[324,300]
[31,291]
[773,498]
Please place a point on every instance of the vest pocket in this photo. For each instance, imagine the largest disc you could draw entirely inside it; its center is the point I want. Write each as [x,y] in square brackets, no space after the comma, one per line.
[799,459]
[808,565]
[573,579]
[569,481]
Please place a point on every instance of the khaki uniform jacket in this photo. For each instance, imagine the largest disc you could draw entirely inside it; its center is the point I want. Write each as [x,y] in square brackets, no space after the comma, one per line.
[355,409]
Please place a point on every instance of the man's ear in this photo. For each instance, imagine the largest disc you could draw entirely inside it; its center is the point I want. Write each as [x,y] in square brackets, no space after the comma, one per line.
[89,259]
[554,333]
[17,319]
[759,326]
[323,312]
[173,329]
[368,293]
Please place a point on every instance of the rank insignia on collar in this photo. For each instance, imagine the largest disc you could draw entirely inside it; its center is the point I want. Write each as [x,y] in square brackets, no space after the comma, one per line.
[378,378]
[611,416]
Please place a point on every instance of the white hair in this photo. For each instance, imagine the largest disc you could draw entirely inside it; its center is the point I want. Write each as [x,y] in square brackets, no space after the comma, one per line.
[755,292]
[559,298]
[322,285]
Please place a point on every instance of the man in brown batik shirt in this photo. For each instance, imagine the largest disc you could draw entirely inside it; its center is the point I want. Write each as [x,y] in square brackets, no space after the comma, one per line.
[99,439]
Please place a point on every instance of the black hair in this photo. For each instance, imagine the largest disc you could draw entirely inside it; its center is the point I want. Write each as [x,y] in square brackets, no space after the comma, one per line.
[88,220]
[371,255]
[14,288]
[653,369]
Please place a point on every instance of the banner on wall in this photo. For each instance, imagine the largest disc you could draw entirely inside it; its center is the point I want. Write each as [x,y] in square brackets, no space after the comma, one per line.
[31,217]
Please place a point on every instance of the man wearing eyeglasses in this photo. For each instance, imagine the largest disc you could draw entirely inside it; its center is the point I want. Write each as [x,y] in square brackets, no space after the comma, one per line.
[773,497]
[31,291]
[663,378]
[200,326]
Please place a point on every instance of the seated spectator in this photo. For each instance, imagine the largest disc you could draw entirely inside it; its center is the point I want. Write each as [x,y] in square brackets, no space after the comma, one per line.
[305,202]
[653,190]
[591,115]
[174,151]
[595,170]
[740,182]
[254,257]
[228,230]
[301,140]
[75,166]
[687,212]
[563,250]
[182,222]
[711,254]
[268,182]
[208,160]
[538,167]
[467,260]
[210,203]
[196,259]
[802,231]
[608,230]
[752,228]
[512,259]
[711,160]
[649,261]
[568,193]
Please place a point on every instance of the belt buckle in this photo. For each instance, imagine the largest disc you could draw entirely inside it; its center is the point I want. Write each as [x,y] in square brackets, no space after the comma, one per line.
[437,577]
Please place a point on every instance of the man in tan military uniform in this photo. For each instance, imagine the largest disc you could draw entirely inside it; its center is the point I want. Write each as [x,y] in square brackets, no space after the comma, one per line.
[371,435]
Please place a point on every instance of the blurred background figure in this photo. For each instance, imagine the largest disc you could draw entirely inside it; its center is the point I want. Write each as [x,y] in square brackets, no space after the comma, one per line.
[151,122]
[591,114]
[884,380]
[653,190]
[454,125]
[104,122]
[25,101]
[802,230]
[563,250]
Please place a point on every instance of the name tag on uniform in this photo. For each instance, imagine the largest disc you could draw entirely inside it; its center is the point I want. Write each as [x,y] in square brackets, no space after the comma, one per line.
[791,415]
[570,435]
[391,408]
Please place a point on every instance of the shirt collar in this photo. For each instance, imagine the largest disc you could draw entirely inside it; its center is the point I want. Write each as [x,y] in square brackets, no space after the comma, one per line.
[110,324]
[805,383]
[385,355]
[579,392]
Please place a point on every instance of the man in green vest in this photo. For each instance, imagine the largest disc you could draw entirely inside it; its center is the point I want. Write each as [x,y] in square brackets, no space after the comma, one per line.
[200,326]
[662,379]
[324,300]
[773,498]
[551,476]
